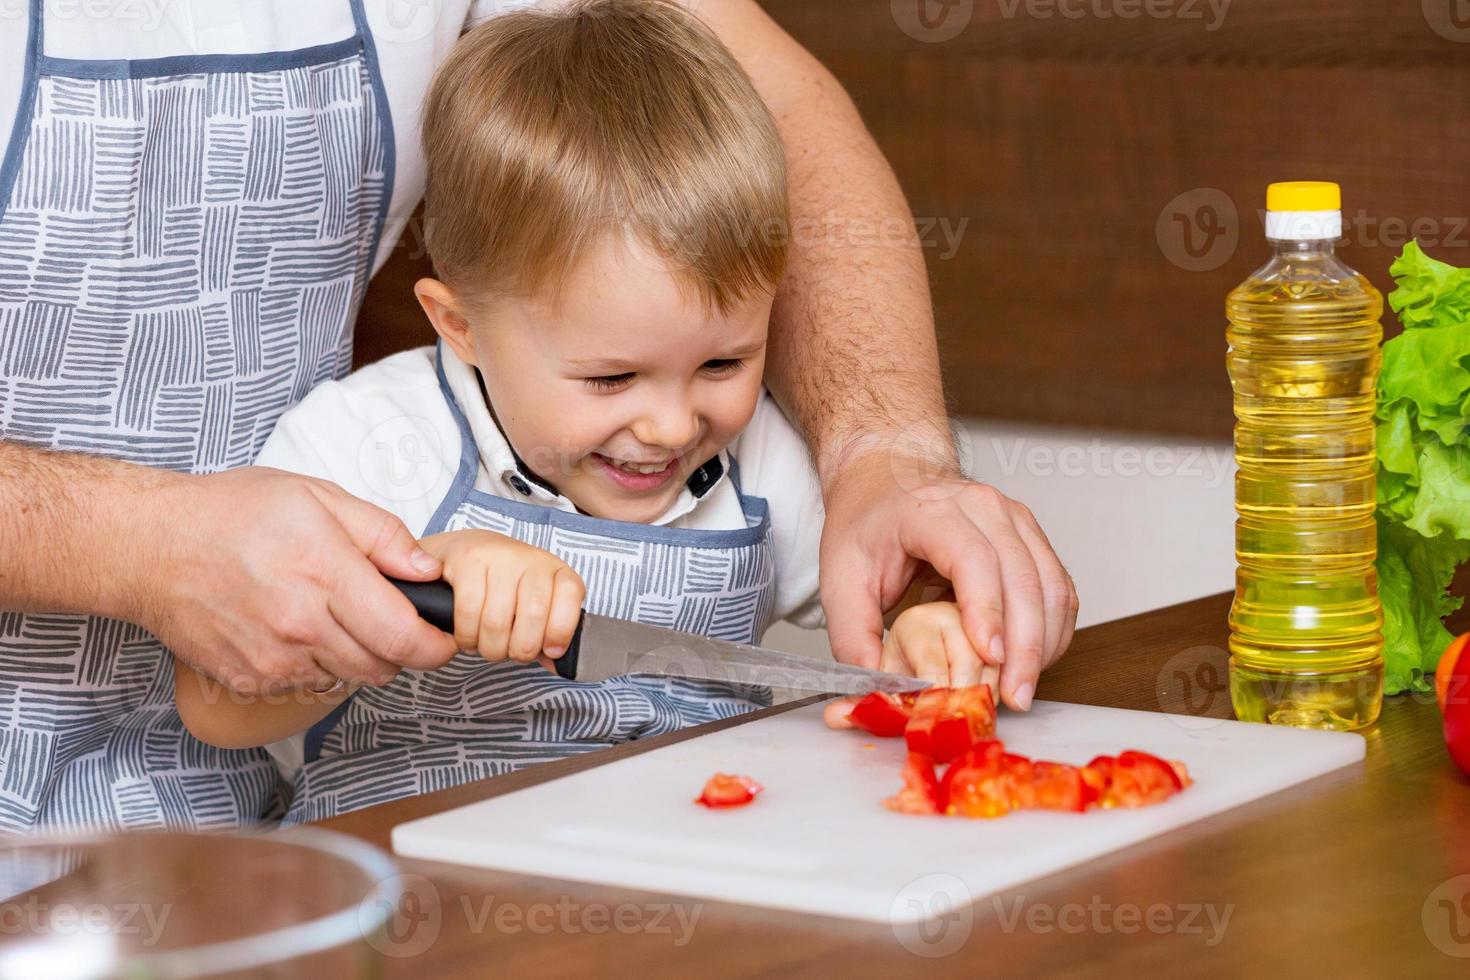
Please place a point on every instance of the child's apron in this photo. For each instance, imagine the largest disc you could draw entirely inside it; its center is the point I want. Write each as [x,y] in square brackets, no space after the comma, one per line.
[184,243]
[472,719]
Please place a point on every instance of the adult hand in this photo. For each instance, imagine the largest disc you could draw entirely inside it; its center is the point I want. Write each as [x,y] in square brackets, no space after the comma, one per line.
[889,513]
[261,578]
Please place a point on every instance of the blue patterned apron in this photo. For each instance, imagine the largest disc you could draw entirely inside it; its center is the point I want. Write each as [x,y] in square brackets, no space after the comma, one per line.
[471,719]
[184,243]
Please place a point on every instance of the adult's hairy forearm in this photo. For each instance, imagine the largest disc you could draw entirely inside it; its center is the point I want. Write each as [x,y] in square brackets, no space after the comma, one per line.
[71,527]
[853,358]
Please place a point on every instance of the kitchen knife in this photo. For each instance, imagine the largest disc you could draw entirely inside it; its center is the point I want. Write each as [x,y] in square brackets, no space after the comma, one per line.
[605,647]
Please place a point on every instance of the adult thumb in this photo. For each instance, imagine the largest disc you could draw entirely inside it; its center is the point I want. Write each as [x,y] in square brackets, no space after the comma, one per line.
[383,539]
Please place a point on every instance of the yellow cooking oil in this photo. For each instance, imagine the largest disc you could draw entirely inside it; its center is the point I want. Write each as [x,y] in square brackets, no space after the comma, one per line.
[1306,639]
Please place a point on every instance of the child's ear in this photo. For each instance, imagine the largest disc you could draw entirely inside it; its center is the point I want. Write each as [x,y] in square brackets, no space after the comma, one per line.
[443,309]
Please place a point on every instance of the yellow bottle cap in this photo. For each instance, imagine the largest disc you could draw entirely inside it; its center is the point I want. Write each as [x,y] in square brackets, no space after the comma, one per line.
[1304,195]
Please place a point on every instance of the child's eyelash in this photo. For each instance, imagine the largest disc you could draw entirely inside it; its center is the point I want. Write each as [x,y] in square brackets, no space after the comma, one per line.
[609,381]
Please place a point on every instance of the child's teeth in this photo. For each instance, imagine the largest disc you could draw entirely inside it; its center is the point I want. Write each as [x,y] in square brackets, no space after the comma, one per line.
[636,468]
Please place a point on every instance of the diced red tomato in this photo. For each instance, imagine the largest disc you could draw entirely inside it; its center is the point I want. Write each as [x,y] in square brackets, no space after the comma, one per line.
[920,793]
[977,785]
[946,722]
[1018,774]
[1136,779]
[978,705]
[957,726]
[919,731]
[1158,770]
[1095,781]
[880,714]
[724,790]
[1057,786]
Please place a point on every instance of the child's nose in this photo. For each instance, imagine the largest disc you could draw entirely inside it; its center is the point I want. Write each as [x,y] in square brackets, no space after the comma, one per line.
[670,427]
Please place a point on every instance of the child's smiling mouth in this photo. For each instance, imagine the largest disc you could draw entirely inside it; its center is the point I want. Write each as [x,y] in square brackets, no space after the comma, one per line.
[639,478]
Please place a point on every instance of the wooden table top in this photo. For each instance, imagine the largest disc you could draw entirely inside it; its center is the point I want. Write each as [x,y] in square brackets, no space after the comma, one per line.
[1362,872]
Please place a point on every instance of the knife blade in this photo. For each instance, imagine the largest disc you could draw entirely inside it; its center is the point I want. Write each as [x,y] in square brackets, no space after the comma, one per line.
[605,646]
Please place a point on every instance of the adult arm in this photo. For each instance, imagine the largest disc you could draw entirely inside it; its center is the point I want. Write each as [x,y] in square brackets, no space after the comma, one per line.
[249,575]
[854,362]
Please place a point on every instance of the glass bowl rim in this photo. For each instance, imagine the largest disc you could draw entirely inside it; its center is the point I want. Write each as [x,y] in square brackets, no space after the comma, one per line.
[352,921]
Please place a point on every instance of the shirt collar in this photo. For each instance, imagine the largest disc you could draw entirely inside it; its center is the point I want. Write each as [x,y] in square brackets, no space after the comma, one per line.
[508,476]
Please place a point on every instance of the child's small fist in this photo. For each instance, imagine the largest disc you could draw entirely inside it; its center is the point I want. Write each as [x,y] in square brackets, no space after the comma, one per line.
[511,600]
[929,642]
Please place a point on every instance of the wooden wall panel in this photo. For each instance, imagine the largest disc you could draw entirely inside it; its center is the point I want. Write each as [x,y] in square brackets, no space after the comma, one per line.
[1079,152]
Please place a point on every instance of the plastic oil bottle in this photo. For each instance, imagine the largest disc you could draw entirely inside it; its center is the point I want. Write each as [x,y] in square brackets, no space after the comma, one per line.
[1305,627]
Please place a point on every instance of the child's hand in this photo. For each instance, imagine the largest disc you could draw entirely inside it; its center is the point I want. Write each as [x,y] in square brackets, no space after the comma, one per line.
[511,600]
[928,641]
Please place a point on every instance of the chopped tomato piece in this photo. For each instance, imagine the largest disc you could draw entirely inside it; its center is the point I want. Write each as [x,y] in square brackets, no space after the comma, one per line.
[919,731]
[880,714]
[1137,779]
[1019,774]
[1057,786]
[1095,779]
[946,722]
[1156,769]
[977,785]
[957,726]
[724,790]
[920,793]
[951,737]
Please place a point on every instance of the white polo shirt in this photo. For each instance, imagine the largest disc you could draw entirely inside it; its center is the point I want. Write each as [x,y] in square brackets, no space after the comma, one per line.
[412,38]
[387,435]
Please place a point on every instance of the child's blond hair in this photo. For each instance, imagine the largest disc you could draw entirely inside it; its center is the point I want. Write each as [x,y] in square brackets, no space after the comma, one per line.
[547,130]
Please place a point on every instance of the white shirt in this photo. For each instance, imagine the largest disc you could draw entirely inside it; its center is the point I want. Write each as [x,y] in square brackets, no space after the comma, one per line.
[385,434]
[412,38]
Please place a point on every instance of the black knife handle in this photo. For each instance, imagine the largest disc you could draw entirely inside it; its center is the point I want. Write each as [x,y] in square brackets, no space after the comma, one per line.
[566,664]
[434,602]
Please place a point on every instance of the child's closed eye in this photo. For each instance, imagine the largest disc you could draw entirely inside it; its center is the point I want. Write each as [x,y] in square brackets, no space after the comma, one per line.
[610,382]
[723,365]
[719,367]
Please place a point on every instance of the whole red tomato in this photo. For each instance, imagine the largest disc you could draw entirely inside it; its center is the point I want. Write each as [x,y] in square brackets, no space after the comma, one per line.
[1452,687]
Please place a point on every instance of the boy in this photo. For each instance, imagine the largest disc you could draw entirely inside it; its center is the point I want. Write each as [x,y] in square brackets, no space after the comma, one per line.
[606,210]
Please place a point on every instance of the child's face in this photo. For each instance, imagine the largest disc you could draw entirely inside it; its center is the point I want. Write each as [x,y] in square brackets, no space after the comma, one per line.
[629,368]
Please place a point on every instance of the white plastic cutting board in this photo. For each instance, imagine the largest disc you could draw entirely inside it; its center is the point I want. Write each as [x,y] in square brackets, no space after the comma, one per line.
[819,840]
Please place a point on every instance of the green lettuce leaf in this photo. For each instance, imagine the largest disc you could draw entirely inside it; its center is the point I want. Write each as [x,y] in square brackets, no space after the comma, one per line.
[1426,367]
[1413,572]
[1423,464]
[1430,293]
[1442,504]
